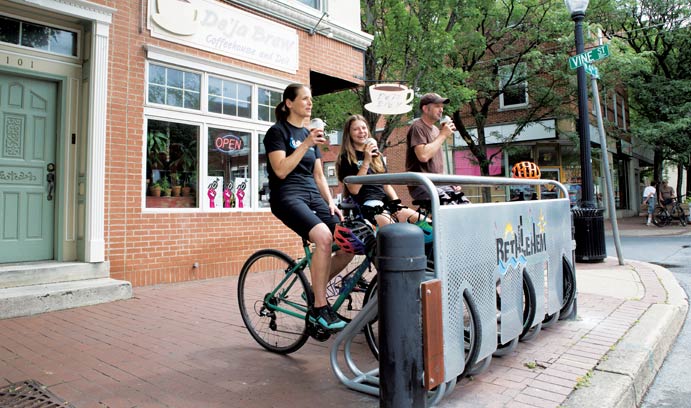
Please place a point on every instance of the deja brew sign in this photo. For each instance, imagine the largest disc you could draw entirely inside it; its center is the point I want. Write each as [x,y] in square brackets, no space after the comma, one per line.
[216,27]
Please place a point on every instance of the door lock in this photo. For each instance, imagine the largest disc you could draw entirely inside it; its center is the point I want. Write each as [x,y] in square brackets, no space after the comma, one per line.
[50,178]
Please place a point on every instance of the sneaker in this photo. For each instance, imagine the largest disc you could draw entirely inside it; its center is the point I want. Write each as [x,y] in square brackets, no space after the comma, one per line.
[326,318]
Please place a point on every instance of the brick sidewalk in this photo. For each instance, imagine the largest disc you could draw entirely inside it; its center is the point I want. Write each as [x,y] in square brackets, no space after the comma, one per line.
[184,345]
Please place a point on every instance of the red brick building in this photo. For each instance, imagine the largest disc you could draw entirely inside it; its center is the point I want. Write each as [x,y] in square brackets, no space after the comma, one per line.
[103,99]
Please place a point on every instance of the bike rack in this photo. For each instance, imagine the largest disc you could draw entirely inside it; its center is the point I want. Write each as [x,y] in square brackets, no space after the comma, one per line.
[502,241]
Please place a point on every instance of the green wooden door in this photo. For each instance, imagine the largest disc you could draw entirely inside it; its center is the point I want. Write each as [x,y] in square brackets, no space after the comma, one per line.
[27,152]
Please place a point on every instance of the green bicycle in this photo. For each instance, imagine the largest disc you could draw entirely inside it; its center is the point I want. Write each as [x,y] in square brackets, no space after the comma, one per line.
[274,294]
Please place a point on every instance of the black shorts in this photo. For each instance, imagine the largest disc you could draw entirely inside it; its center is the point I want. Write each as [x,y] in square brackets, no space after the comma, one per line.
[302,211]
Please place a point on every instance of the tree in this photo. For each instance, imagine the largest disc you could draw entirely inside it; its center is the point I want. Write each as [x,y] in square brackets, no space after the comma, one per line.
[659,81]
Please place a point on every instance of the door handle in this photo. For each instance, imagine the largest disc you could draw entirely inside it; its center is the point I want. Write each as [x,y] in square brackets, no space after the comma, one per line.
[50,178]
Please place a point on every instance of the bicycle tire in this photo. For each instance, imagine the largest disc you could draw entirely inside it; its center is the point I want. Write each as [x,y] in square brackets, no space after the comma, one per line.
[355,299]
[529,309]
[681,215]
[661,217]
[472,333]
[569,285]
[372,328]
[276,331]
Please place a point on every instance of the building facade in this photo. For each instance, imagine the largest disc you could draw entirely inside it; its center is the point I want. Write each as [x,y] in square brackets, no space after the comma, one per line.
[106,104]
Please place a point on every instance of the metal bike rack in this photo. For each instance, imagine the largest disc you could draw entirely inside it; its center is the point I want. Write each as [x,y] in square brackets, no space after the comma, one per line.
[475,247]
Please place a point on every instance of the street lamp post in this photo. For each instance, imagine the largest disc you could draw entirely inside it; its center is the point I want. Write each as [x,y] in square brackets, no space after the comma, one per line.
[577,9]
[589,228]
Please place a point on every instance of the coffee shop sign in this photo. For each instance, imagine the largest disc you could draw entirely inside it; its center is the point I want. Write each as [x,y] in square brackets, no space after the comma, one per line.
[390,99]
[219,28]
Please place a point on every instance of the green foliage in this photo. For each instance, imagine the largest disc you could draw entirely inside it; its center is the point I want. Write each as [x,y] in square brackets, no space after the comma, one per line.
[335,108]
[654,43]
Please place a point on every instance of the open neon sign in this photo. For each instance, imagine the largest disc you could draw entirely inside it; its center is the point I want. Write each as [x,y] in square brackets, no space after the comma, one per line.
[229,144]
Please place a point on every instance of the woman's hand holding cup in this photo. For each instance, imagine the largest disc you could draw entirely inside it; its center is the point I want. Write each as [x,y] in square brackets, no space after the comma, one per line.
[372,147]
[316,128]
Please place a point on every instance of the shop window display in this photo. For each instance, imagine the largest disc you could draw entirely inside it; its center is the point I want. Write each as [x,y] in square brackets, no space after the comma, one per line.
[171,165]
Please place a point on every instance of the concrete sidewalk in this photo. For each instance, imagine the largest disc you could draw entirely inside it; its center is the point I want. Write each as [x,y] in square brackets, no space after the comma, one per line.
[184,345]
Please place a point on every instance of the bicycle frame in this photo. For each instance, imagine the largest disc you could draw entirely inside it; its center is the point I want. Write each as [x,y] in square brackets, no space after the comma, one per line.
[300,311]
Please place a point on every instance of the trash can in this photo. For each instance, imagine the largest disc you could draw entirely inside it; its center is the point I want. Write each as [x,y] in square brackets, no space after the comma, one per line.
[589,233]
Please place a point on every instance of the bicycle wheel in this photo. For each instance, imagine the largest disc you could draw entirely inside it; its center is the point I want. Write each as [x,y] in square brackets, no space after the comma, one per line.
[472,333]
[660,217]
[569,282]
[354,298]
[273,307]
[372,328]
[529,309]
[681,215]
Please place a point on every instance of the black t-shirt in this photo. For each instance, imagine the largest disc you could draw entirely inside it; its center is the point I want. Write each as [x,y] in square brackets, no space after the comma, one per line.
[286,137]
[367,191]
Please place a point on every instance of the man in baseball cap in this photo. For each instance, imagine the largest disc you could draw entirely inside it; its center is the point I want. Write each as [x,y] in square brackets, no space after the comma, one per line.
[425,141]
[433,98]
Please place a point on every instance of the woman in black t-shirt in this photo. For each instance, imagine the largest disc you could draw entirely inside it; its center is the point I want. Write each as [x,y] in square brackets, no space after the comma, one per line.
[360,156]
[300,195]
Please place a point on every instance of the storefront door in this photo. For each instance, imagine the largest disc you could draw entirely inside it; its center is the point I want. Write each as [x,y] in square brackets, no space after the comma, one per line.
[27,168]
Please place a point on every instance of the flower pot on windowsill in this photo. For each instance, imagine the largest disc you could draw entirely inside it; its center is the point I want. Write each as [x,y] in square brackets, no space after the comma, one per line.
[186,191]
[155,190]
[175,191]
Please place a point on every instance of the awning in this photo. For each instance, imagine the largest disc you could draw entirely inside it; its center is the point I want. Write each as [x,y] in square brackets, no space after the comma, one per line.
[323,84]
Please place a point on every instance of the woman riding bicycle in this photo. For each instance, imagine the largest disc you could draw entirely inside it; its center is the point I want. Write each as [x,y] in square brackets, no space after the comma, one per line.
[300,195]
[360,156]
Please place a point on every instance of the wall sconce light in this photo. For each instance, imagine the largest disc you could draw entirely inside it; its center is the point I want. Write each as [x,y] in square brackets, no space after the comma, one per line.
[314,30]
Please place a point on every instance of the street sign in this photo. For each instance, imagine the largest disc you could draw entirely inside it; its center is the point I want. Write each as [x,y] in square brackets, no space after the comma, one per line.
[587,57]
[592,70]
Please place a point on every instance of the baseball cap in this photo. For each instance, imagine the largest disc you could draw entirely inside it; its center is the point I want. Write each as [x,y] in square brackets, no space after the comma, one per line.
[433,98]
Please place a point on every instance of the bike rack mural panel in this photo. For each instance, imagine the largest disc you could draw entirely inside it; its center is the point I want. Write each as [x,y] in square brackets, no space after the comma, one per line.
[478,245]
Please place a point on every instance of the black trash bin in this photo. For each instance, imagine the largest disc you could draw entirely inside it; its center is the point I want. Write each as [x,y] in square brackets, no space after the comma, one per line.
[589,228]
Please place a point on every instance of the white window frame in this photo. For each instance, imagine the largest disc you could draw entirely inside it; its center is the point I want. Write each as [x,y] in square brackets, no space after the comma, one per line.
[510,68]
[205,119]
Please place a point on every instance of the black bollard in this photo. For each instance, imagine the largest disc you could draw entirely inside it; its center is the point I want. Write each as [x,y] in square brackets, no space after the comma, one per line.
[401,266]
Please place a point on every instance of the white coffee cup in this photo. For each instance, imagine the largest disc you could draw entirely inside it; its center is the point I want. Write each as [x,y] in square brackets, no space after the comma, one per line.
[390,97]
[445,119]
[373,141]
[317,123]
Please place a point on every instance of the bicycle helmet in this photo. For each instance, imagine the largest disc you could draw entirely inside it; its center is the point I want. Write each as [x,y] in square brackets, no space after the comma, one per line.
[526,169]
[354,237]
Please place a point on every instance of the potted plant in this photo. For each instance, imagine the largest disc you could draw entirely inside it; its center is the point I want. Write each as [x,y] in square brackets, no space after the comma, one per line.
[175,189]
[157,147]
[186,188]
[155,189]
[165,187]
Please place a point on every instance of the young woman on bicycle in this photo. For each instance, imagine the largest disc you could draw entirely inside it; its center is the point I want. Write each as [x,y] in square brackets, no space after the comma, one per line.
[300,195]
[359,156]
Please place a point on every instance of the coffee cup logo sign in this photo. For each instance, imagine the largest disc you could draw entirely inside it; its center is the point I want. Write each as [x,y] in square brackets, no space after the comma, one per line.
[390,99]
[177,16]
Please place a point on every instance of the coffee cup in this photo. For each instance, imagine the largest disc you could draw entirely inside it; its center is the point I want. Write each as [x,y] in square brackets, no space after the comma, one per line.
[390,97]
[373,141]
[317,123]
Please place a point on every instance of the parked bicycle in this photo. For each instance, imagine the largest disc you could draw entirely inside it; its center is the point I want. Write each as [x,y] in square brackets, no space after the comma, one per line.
[663,215]
[274,293]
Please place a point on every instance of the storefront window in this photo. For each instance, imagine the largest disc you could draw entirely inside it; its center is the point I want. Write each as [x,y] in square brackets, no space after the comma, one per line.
[268,99]
[227,184]
[224,173]
[547,155]
[619,183]
[171,167]
[38,36]
[230,97]
[174,87]
[519,154]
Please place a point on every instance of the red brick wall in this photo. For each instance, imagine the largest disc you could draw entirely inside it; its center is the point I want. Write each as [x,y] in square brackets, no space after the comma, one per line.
[148,249]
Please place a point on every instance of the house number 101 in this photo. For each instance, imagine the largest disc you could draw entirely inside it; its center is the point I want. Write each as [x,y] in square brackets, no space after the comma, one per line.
[20,62]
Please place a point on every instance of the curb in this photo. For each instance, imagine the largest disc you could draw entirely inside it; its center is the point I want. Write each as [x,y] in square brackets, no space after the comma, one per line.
[621,379]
